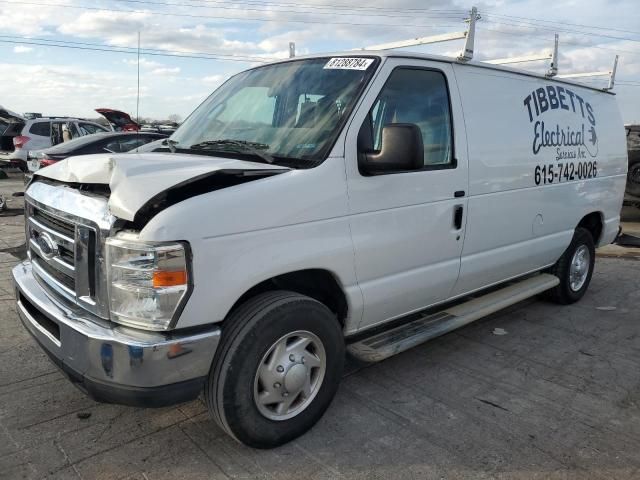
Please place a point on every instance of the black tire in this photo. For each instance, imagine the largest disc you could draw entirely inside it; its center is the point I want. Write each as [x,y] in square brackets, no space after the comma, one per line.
[248,334]
[633,178]
[564,294]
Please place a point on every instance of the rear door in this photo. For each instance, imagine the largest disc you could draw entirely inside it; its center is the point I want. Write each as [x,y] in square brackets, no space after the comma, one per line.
[408,227]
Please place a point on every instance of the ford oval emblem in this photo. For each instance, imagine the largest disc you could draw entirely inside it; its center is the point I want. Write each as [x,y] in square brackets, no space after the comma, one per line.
[47,246]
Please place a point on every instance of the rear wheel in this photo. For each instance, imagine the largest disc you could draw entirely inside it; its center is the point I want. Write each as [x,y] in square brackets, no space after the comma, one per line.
[574,269]
[633,179]
[276,369]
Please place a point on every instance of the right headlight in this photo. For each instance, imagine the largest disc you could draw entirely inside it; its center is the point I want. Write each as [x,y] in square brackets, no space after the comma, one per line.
[148,283]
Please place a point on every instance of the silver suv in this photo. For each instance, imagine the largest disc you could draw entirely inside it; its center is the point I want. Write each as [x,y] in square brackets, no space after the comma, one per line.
[19,135]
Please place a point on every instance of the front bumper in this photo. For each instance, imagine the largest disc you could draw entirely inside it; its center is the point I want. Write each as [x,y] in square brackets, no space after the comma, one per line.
[111,363]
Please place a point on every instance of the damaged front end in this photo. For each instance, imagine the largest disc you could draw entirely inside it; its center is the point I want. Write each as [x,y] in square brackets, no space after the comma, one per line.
[102,303]
[141,185]
[79,209]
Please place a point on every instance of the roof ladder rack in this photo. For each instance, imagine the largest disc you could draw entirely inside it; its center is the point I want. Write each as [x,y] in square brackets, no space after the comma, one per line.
[611,73]
[468,35]
[553,57]
[467,53]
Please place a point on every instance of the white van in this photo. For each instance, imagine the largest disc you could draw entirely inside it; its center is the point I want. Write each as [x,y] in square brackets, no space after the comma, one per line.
[311,206]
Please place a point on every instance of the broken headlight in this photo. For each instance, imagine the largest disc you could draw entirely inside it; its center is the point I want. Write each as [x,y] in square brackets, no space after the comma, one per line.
[148,282]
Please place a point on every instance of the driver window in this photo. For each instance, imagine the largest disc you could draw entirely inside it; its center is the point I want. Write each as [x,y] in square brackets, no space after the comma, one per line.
[419,97]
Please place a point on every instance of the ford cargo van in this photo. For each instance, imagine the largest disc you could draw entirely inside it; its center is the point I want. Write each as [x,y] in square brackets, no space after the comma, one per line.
[309,207]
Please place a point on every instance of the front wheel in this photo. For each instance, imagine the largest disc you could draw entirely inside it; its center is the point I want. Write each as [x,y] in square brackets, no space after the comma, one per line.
[276,370]
[574,269]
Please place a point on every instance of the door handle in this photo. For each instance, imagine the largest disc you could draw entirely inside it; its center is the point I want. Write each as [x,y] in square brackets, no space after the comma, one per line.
[457,216]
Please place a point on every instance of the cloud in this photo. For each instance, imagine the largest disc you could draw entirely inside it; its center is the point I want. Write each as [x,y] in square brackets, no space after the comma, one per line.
[24,19]
[101,23]
[144,63]
[22,49]
[165,71]
[212,79]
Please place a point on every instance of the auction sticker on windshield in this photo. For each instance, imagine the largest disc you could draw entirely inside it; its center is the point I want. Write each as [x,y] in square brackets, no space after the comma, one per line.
[349,63]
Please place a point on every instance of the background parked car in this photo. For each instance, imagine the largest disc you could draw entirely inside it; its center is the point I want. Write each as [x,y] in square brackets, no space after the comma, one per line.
[633,150]
[109,142]
[119,121]
[20,134]
[167,128]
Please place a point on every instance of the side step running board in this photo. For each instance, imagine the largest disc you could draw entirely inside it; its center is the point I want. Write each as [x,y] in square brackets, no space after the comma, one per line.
[390,342]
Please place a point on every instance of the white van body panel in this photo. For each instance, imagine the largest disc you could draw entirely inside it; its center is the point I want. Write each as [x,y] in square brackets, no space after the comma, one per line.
[244,235]
[515,226]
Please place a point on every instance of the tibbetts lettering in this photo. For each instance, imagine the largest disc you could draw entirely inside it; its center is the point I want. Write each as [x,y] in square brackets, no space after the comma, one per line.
[570,141]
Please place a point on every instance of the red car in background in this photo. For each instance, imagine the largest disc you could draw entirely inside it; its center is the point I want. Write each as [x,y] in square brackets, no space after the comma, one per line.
[120,121]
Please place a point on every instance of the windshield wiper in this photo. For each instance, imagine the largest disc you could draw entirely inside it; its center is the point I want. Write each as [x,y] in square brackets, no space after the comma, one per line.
[171,144]
[241,146]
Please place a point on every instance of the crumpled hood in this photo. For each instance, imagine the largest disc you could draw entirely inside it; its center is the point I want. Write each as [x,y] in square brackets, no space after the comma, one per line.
[135,178]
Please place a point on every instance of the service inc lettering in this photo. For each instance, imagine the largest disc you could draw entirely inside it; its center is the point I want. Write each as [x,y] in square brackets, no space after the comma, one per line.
[568,140]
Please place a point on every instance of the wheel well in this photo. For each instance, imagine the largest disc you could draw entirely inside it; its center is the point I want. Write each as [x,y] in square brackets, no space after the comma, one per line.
[593,223]
[315,283]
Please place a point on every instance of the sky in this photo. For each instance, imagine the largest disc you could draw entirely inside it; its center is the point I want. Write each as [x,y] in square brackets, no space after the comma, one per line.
[233,36]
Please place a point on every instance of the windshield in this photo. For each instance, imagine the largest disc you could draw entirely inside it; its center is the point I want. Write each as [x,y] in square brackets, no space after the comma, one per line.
[292,111]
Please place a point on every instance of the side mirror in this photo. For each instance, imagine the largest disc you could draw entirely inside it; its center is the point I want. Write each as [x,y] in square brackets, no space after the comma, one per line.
[402,150]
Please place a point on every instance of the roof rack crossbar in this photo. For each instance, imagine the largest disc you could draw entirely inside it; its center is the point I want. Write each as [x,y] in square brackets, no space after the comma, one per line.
[468,35]
[551,57]
[445,37]
[522,59]
[585,74]
[610,73]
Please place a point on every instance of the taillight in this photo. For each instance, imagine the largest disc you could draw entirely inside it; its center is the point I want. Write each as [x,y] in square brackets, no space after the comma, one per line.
[46,161]
[20,141]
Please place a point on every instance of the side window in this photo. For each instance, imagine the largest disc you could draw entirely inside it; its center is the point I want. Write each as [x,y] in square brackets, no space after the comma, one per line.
[419,97]
[41,128]
[74,130]
[88,129]
[112,146]
[306,112]
[129,143]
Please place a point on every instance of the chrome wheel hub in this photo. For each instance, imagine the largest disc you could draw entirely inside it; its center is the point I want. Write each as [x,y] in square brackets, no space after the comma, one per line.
[579,268]
[289,375]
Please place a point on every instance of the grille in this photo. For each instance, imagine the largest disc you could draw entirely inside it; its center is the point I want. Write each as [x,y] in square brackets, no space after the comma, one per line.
[66,230]
[52,247]
[66,255]
[66,280]
[54,223]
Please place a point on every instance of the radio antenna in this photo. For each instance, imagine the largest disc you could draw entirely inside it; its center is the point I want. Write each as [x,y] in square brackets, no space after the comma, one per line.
[138,89]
